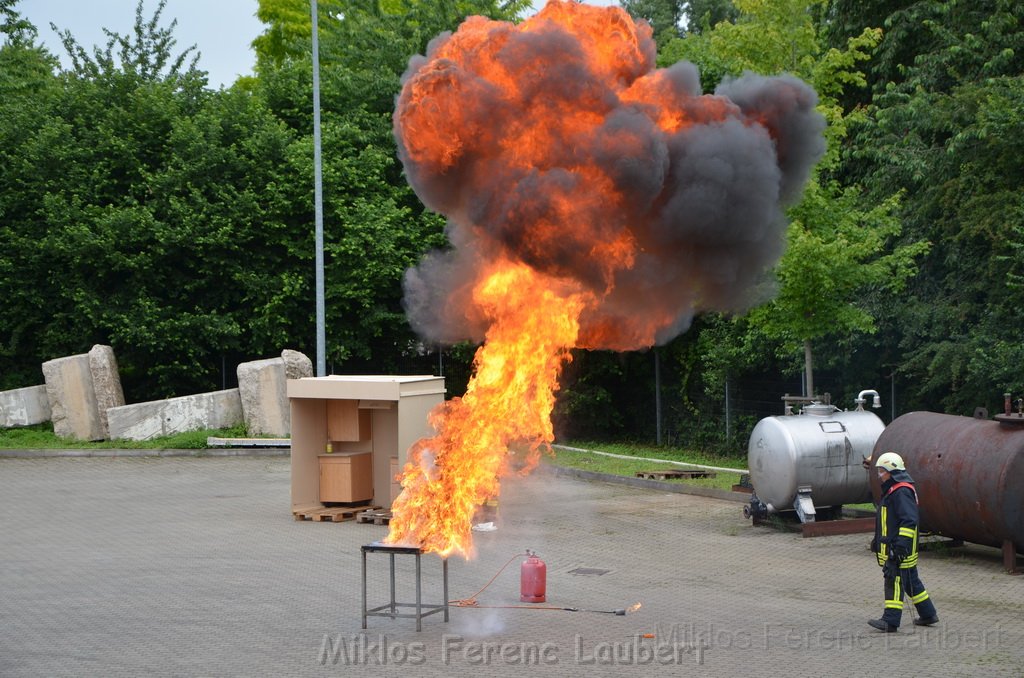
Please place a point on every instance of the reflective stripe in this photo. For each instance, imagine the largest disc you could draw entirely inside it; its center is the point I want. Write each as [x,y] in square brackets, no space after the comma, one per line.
[910,533]
[897,594]
[893,605]
[883,549]
[920,597]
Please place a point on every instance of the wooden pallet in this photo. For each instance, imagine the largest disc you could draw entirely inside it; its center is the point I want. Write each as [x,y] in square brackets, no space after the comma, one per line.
[330,514]
[827,528]
[744,484]
[674,474]
[376,516]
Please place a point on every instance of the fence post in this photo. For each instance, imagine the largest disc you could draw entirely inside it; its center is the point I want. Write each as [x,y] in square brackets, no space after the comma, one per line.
[728,413]
[657,396]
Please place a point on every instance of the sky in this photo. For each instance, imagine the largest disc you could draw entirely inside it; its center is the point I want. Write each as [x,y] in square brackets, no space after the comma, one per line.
[222,30]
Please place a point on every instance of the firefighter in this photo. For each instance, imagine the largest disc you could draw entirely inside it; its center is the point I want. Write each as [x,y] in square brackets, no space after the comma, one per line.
[895,546]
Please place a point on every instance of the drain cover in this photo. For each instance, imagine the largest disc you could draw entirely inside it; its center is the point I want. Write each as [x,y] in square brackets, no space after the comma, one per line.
[589,570]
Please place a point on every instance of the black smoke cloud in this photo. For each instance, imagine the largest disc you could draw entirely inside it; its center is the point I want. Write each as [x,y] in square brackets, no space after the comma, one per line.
[703,204]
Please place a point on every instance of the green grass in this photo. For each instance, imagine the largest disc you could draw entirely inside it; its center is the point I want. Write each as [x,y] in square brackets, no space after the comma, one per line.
[629,467]
[659,452]
[42,437]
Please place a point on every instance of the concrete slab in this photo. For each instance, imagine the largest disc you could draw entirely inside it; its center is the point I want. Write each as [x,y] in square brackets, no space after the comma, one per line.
[69,390]
[262,388]
[80,389]
[214,441]
[185,567]
[106,383]
[24,407]
[144,421]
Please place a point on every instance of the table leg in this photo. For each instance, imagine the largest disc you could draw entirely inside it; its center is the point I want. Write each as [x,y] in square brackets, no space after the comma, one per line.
[419,611]
[444,570]
[364,589]
[393,607]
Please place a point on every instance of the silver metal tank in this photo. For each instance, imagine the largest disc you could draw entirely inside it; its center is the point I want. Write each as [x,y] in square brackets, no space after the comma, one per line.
[811,459]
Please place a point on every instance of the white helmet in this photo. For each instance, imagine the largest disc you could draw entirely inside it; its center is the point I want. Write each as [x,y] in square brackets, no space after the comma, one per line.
[891,461]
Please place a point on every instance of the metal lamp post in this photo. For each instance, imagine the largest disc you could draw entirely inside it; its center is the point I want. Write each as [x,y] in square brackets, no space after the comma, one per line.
[318,206]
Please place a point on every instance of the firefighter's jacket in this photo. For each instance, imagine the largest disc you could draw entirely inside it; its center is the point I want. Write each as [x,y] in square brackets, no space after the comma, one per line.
[896,520]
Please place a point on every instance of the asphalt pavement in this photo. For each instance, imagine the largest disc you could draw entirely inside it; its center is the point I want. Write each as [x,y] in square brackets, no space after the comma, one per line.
[183,566]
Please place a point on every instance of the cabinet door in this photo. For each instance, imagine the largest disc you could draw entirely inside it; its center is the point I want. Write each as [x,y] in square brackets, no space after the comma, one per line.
[346,422]
[346,478]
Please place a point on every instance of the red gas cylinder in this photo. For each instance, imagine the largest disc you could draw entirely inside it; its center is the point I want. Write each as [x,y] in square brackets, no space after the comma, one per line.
[533,576]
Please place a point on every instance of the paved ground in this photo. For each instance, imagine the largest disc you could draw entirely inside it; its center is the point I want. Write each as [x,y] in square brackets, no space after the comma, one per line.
[194,567]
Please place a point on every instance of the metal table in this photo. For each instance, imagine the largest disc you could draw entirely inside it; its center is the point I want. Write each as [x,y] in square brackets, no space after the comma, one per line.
[390,609]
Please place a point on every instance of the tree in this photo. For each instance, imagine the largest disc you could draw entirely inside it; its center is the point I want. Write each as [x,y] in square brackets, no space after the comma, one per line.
[137,205]
[664,16]
[838,250]
[289,25]
[835,255]
[943,127]
[703,15]
[413,22]
[143,210]
[27,85]
[25,66]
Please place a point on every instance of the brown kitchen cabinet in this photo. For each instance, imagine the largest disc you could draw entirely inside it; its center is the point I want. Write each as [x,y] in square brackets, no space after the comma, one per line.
[346,477]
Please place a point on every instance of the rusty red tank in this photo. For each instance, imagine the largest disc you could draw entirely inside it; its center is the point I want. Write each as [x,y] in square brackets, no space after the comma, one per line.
[969,475]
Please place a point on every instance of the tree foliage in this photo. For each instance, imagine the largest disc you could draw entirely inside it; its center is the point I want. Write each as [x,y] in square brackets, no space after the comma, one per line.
[944,126]
[175,223]
[664,16]
[135,203]
[377,22]
[703,15]
[140,208]
[840,251]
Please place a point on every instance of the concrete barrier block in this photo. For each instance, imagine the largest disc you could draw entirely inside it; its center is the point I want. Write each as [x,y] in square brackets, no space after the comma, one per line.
[24,406]
[72,399]
[262,385]
[79,389]
[106,382]
[143,421]
[296,364]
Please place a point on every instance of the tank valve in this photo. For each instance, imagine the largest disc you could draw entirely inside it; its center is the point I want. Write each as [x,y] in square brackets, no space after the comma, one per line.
[757,509]
[876,401]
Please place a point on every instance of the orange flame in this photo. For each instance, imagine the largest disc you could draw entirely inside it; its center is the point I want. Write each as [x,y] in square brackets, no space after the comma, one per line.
[593,202]
[509,399]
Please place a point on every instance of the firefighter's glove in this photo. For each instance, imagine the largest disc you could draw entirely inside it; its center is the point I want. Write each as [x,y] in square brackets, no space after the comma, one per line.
[891,569]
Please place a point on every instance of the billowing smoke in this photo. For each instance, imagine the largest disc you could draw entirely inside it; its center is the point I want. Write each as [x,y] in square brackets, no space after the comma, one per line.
[557,143]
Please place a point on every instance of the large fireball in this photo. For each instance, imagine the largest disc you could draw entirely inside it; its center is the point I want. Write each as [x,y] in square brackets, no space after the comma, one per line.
[593,201]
